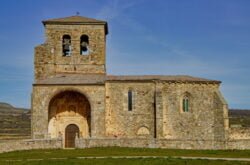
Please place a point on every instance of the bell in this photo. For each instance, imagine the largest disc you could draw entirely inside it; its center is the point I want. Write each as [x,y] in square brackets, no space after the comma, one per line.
[84,44]
[84,49]
[66,41]
[66,47]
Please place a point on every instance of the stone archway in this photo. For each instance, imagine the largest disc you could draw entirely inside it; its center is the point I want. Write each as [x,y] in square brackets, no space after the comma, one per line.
[69,107]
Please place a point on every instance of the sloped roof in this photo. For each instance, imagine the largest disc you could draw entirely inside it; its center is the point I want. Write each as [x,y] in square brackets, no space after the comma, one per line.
[74,79]
[102,78]
[76,20]
[169,78]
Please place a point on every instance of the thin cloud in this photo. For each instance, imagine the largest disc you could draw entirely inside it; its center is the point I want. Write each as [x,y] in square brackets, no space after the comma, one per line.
[182,62]
[117,11]
[114,9]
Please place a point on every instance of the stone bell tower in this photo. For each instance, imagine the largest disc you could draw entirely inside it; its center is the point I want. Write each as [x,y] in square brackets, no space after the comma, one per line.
[74,45]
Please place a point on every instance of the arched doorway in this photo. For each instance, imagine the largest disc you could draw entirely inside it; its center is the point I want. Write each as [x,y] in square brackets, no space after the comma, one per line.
[66,108]
[71,132]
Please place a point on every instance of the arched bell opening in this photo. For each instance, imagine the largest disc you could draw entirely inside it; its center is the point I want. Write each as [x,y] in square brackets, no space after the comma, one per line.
[66,45]
[69,107]
[84,45]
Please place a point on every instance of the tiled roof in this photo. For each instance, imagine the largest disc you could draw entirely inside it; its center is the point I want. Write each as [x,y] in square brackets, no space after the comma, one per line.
[102,78]
[74,79]
[169,78]
[76,20]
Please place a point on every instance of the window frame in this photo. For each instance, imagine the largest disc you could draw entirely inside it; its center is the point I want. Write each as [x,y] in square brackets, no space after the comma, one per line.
[130,100]
[185,103]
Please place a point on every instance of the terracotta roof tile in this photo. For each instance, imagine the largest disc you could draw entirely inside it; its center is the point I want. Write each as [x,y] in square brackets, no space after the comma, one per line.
[169,78]
[76,20]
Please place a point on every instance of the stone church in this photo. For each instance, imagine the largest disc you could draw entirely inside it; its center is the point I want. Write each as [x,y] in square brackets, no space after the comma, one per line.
[75,100]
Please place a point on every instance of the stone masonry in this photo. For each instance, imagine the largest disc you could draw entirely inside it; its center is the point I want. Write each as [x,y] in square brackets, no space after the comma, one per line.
[134,111]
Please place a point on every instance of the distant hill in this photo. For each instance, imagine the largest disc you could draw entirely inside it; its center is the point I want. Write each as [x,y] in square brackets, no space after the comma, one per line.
[5,105]
[239,112]
[239,117]
[15,122]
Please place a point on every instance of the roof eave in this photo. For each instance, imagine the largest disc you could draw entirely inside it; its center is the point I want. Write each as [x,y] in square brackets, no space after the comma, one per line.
[168,81]
[77,23]
[62,84]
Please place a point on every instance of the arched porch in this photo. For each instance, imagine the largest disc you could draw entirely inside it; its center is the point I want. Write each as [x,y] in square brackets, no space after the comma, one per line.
[69,108]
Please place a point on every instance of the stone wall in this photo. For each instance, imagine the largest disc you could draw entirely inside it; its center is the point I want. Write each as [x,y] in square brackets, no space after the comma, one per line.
[163,143]
[43,62]
[206,120]
[17,145]
[203,118]
[29,144]
[49,59]
[42,95]
[123,123]
[239,133]
[238,144]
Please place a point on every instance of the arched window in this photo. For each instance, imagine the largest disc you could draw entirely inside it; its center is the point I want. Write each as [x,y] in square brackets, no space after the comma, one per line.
[185,103]
[66,45]
[130,100]
[84,45]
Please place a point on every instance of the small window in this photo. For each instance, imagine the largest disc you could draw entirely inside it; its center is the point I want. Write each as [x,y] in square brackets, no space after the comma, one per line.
[84,45]
[66,45]
[185,104]
[130,100]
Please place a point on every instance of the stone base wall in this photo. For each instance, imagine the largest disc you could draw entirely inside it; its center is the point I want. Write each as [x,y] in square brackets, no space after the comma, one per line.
[7,146]
[163,143]
[146,143]
[239,144]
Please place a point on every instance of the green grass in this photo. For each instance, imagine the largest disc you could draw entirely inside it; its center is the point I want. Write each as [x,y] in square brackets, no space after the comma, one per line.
[70,156]
[117,151]
[109,161]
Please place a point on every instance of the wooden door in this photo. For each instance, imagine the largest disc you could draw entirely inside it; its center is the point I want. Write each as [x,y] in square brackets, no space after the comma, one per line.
[71,132]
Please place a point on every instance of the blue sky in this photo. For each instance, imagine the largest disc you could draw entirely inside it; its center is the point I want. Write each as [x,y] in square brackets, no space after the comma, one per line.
[204,38]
